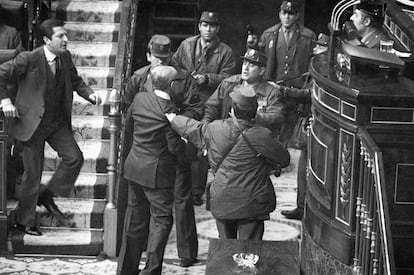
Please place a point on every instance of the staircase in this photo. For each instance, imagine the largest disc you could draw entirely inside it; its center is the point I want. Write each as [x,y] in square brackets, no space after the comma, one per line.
[177,19]
[93,31]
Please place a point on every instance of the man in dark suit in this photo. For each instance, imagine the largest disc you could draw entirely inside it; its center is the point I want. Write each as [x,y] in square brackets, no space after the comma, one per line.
[42,110]
[187,100]
[150,169]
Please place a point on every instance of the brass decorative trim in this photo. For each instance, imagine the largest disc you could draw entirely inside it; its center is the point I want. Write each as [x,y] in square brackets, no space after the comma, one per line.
[334,109]
[326,158]
[345,176]
[388,112]
[398,171]
[353,108]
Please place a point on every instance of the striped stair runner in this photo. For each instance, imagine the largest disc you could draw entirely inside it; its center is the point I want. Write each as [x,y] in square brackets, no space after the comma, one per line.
[93,30]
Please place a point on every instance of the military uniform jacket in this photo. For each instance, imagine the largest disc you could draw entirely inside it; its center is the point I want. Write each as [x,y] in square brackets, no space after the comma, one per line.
[298,55]
[241,188]
[217,64]
[186,97]
[372,39]
[31,69]
[151,162]
[271,107]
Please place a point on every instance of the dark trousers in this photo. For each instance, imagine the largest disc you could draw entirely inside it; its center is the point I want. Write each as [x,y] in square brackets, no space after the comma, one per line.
[148,220]
[199,172]
[60,138]
[245,229]
[301,179]
[187,243]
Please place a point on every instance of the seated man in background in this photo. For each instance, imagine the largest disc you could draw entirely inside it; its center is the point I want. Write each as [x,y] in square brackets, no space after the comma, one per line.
[242,155]
[368,19]
[150,170]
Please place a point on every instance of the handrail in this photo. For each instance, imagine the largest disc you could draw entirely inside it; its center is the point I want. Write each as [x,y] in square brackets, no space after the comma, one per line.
[374,253]
[123,68]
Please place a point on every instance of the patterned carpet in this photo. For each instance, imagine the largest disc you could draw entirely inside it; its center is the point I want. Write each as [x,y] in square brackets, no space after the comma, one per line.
[277,228]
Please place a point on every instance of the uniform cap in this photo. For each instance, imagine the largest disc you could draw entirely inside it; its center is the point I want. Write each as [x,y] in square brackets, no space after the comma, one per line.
[160,45]
[372,9]
[256,57]
[289,6]
[209,17]
[244,97]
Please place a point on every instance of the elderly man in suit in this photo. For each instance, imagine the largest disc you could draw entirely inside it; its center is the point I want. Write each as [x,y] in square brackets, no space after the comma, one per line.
[187,100]
[42,110]
[150,169]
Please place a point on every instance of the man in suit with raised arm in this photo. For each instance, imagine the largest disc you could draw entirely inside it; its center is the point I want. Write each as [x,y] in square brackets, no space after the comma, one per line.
[150,170]
[187,100]
[46,79]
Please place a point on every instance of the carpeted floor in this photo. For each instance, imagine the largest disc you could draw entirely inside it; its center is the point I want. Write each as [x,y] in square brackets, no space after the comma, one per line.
[277,228]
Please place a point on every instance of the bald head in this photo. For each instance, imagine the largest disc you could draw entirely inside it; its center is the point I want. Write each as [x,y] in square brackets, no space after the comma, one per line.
[162,76]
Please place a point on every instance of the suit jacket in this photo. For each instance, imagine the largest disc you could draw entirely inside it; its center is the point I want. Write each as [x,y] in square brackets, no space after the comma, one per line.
[302,50]
[186,96]
[217,64]
[30,68]
[151,162]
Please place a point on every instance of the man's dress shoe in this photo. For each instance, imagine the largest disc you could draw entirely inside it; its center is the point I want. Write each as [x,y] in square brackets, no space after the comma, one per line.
[47,201]
[295,214]
[31,230]
[186,262]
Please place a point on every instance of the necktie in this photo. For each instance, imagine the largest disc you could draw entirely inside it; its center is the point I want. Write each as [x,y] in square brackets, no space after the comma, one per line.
[287,37]
[57,66]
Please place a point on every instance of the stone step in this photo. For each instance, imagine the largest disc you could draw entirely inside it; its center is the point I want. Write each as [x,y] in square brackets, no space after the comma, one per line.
[92,32]
[81,106]
[59,241]
[88,11]
[95,153]
[97,77]
[93,54]
[90,127]
[78,213]
[87,185]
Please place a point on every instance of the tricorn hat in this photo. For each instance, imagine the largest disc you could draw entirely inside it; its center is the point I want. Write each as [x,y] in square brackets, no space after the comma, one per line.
[244,97]
[373,9]
[289,6]
[160,45]
[209,17]
[256,57]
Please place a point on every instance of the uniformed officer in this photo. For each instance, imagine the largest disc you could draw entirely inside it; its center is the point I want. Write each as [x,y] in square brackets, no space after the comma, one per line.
[368,19]
[288,46]
[271,107]
[209,61]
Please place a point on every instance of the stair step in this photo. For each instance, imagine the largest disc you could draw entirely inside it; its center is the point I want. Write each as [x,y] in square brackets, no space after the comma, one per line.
[95,153]
[81,106]
[90,127]
[88,11]
[93,54]
[78,213]
[92,32]
[55,241]
[98,77]
[87,185]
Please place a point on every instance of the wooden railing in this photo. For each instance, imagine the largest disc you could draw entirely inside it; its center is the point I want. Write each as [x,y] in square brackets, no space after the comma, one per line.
[373,240]
[123,69]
